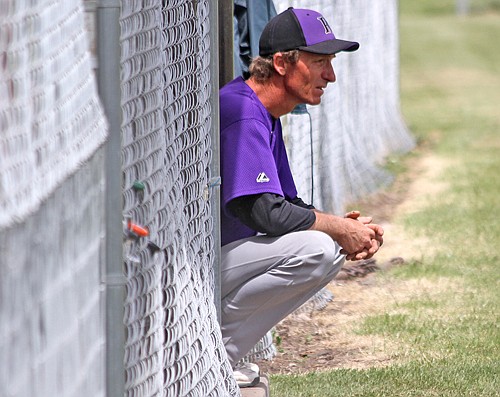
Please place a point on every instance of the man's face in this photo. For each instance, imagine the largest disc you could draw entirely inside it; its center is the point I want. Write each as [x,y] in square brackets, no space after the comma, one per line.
[306,80]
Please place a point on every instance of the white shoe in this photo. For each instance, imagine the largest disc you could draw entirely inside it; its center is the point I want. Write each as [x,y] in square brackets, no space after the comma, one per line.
[246,374]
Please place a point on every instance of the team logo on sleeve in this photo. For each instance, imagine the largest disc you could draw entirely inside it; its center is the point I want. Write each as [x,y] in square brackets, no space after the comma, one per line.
[262,178]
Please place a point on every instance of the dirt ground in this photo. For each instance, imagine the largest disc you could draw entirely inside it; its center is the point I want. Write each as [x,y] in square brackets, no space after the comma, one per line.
[318,340]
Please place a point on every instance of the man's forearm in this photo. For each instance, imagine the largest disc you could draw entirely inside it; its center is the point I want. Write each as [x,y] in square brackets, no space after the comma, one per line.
[330,224]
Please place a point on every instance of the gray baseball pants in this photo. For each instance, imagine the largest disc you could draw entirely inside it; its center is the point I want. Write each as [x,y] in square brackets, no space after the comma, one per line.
[263,279]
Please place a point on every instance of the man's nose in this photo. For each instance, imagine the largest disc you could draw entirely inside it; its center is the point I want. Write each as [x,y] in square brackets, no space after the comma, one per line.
[329,74]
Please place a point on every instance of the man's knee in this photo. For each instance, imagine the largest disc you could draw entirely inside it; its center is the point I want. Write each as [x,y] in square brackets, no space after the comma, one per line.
[324,254]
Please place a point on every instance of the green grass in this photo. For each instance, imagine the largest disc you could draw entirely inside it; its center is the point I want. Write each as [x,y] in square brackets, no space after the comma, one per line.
[416,379]
[449,341]
[445,7]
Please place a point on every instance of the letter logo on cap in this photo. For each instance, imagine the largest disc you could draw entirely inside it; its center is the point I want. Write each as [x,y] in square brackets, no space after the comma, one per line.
[327,27]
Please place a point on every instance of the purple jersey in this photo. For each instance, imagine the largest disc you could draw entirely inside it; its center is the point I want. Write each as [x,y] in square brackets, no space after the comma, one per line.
[253,155]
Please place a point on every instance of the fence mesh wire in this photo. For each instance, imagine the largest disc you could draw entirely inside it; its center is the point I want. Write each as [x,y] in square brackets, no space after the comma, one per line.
[51,204]
[173,346]
[49,114]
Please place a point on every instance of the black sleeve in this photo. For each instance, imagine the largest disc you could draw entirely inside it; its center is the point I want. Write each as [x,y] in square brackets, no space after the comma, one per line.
[271,214]
[298,201]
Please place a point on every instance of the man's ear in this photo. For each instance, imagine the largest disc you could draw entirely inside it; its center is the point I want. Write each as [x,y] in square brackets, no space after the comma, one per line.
[279,63]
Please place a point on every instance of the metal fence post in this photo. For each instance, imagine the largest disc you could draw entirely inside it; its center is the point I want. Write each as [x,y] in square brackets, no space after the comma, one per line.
[221,69]
[113,279]
[215,164]
[226,41]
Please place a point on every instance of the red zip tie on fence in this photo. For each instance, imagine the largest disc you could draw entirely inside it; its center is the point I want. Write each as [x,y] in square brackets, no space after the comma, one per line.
[139,230]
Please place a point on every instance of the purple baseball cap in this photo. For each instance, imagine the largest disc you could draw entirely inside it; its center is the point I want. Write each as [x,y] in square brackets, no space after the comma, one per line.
[301,29]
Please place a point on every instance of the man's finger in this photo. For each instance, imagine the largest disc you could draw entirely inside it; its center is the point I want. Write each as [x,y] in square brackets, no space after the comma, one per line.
[375,247]
[352,215]
[361,255]
[365,220]
[379,230]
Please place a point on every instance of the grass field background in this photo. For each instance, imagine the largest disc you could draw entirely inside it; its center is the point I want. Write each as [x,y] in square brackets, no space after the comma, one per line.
[449,341]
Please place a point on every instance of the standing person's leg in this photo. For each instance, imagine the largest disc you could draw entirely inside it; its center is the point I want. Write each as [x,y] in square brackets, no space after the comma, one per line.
[266,278]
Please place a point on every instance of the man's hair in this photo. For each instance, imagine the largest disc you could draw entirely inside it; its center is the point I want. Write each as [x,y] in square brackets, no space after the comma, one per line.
[262,68]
